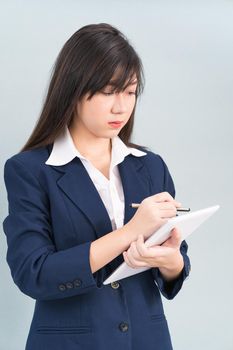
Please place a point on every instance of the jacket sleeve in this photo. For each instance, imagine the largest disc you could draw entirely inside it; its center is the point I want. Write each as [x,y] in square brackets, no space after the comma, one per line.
[36,267]
[171,288]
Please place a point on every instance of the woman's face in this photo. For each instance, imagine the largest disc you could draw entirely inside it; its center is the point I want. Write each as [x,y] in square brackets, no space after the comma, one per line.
[93,116]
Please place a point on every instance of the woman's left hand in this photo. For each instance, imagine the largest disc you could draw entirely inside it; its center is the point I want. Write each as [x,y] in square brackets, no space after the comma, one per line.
[166,257]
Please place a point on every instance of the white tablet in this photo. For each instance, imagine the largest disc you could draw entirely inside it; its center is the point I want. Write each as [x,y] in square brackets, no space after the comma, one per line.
[187,223]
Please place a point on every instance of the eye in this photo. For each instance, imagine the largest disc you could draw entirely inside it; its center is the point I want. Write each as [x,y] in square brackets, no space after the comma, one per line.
[111,93]
[107,93]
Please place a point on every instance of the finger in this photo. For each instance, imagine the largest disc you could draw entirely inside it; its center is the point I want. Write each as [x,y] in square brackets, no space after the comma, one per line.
[167,206]
[160,251]
[134,262]
[177,236]
[134,251]
[127,260]
[165,197]
[132,256]
[142,249]
[167,212]
[175,239]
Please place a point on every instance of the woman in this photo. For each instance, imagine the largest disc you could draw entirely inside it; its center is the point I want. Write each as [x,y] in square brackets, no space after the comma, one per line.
[70,222]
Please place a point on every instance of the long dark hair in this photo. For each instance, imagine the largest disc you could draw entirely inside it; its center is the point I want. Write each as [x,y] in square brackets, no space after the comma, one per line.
[86,64]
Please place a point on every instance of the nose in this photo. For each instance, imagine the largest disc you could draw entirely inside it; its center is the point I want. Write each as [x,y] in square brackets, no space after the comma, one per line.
[119,104]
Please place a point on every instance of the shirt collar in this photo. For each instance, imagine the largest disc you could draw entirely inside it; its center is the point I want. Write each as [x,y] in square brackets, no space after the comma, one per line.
[64,150]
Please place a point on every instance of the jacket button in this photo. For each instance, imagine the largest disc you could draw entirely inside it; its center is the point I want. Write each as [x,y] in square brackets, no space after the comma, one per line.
[62,287]
[123,326]
[77,283]
[115,285]
[69,285]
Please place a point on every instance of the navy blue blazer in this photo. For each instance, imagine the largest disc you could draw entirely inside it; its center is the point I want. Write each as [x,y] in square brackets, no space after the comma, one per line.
[55,212]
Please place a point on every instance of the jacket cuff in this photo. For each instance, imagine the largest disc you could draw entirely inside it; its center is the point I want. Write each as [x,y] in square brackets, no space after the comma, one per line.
[169,289]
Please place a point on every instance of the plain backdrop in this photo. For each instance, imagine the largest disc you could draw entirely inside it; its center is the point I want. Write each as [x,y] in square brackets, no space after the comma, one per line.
[185,115]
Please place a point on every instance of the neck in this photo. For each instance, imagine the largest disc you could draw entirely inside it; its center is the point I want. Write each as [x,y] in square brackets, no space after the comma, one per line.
[89,145]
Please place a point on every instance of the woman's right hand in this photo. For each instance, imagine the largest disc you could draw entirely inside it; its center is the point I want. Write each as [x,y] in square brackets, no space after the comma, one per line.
[153,212]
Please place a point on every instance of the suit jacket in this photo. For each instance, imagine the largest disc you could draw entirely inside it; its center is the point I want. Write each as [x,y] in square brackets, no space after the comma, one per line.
[55,212]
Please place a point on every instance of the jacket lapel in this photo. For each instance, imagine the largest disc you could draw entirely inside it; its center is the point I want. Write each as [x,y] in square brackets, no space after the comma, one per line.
[136,183]
[76,183]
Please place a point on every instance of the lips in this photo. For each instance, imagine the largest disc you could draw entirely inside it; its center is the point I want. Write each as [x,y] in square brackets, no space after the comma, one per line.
[115,124]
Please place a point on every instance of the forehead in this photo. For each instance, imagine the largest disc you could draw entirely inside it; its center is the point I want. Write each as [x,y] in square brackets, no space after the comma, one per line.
[120,78]
[115,81]
[119,81]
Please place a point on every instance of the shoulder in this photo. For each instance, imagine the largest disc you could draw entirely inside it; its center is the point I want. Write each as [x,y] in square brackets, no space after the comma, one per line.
[159,173]
[153,161]
[32,160]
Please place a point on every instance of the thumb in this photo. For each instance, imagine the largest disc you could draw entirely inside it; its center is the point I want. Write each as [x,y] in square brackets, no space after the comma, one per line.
[174,240]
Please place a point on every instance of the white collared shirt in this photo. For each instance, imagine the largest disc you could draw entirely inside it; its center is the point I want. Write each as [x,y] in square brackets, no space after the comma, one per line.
[110,191]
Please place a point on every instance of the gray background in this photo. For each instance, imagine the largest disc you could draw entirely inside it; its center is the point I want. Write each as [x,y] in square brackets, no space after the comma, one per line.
[184,115]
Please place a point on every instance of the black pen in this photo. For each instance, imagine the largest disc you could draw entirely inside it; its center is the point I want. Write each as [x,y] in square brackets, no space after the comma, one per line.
[136,205]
